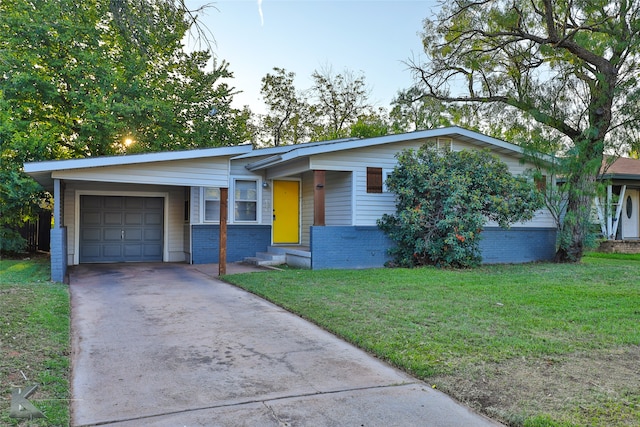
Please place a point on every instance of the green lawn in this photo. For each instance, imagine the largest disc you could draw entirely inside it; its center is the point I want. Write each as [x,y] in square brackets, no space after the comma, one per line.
[534,345]
[34,340]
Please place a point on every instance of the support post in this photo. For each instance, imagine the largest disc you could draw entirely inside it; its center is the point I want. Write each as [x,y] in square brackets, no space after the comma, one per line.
[318,197]
[58,239]
[614,228]
[608,211]
[222,254]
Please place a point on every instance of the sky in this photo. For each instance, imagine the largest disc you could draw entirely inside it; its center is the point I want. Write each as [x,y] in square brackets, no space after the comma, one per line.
[372,37]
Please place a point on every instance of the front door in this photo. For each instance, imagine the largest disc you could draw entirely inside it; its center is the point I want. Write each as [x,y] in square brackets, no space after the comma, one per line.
[286,212]
[629,215]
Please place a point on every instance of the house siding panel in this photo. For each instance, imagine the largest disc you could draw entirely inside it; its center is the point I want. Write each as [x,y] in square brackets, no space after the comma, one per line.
[242,241]
[338,198]
[213,172]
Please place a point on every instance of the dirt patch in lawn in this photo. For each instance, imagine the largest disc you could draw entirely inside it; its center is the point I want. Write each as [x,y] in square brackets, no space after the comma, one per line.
[595,388]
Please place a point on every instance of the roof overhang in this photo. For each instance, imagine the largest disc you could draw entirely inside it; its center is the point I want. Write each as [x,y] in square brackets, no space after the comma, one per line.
[43,172]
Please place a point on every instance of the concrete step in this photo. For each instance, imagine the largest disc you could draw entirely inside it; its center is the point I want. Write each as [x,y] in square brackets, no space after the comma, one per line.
[270,256]
[255,260]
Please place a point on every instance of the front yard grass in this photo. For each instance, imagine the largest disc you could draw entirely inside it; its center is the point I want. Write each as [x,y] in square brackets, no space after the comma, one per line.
[34,340]
[529,345]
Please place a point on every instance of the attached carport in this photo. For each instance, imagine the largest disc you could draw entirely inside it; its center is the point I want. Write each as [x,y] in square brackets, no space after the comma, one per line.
[130,208]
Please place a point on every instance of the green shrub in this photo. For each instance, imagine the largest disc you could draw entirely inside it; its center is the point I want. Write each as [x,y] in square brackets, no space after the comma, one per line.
[444,199]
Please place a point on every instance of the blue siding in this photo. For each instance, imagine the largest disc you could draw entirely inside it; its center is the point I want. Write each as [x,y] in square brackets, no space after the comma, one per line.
[348,247]
[242,241]
[366,247]
[58,253]
[517,245]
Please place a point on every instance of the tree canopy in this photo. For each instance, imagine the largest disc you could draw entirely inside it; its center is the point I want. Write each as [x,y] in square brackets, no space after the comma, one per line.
[335,106]
[93,78]
[568,66]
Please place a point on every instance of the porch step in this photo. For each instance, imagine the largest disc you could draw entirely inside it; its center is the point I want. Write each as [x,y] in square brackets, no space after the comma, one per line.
[297,256]
[266,258]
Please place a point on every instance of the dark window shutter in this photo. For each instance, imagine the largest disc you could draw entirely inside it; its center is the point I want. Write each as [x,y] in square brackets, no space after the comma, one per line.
[374,180]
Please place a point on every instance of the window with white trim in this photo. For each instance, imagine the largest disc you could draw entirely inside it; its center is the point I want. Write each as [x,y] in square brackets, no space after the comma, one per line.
[386,173]
[245,200]
[211,204]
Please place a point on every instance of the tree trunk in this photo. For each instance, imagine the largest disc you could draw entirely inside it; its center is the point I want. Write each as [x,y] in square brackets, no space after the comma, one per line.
[582,177]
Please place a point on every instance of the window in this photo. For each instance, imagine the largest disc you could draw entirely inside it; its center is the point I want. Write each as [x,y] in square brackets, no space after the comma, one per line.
[374,180]
[445,144]
[541,183]
[212,204]
[246,200]
[441,144]
[386,173]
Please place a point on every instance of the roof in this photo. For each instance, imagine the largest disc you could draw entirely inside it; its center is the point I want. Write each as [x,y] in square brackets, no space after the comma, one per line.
[41,171]
[266,157]
[292,152]
[622,168]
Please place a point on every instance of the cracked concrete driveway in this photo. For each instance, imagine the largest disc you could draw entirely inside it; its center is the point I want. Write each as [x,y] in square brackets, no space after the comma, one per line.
[169,345]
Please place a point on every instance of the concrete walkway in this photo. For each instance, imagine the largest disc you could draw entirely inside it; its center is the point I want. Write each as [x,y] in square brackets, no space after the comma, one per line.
[170,345]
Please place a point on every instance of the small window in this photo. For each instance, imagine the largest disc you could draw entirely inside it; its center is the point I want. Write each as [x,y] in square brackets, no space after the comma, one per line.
[541,183]
[445,144]
[386,173]
[212,204]
[246,200]
[629,207]
[374,180]
[440,144]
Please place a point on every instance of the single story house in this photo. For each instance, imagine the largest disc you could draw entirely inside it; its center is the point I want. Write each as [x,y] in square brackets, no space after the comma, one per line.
[618,211]
[315,203]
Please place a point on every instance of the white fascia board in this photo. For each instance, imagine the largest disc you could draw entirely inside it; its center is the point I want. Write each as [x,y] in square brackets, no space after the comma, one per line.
[91,162]
[329,146]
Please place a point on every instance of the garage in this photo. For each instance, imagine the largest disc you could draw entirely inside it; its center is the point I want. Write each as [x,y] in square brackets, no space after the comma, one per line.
[121,229]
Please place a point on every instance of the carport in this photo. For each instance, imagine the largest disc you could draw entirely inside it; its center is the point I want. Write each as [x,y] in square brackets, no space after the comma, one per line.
[133,208]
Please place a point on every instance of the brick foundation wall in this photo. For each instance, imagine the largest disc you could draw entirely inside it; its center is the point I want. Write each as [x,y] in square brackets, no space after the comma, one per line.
[366,247]
[348,247]
[517,245]
[242,241]
[620,246]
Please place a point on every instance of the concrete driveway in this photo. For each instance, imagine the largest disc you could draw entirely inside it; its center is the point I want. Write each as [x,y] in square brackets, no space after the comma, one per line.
[170,345]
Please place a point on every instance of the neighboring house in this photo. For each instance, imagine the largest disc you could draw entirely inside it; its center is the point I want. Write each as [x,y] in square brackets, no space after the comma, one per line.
[618,211]
[316,202]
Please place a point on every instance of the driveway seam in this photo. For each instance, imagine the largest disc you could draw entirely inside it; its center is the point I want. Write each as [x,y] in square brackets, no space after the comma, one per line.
[248,402]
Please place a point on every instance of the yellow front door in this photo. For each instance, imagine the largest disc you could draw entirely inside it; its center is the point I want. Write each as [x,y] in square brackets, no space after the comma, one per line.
[286,212]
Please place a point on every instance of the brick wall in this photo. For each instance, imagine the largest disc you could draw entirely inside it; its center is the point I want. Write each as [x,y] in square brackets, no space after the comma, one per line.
[242,241]
[58,254]
[348,247]
[366,247]
[517,245]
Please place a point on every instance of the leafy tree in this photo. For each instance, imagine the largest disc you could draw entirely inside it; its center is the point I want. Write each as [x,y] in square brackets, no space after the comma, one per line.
[571,66]
[411,110]
[370,125]
[288,113]
[79,79]
[444,199]
[337,100]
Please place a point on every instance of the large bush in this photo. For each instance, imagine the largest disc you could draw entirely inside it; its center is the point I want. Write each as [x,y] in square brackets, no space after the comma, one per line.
[443,201]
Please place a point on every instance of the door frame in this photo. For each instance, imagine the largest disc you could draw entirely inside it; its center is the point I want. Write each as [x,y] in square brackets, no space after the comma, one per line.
[634,221]
[76,220]
[299,181]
